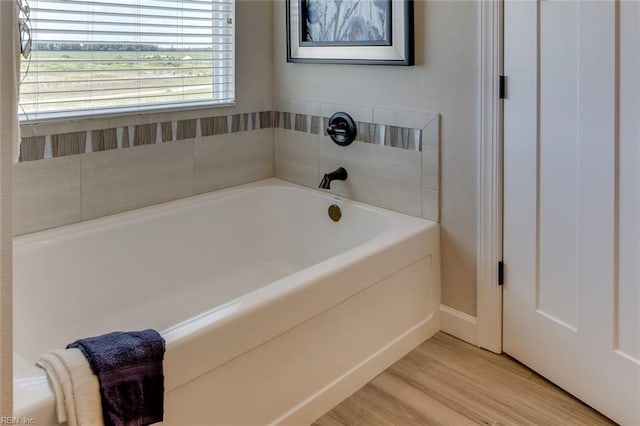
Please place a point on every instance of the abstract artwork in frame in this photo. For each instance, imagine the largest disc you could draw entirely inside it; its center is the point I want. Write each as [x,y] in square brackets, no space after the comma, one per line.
[350,31]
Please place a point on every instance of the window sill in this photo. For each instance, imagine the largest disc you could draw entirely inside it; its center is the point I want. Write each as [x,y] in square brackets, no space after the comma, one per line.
[125,114]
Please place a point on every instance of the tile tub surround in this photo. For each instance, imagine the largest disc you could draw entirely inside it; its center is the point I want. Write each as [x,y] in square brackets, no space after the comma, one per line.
[161,173]
[392,164]
[46,194]
[63,190]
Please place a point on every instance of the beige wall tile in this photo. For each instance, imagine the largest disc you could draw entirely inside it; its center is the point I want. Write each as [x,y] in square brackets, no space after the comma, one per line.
[125,179]
[297,105]
[46,194]
[357,112]
[402,117]
[296,157]
[431,155]
[430,204]
[233,159]
[379,175]
[431,170]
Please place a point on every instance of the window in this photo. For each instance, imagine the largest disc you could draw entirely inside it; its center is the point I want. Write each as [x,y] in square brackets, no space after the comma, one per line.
[98,56]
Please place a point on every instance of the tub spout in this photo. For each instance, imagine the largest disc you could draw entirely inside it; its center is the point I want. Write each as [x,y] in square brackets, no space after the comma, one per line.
[338,174]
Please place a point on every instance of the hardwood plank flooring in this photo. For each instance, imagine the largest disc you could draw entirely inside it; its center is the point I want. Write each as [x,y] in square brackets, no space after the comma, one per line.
[446,381]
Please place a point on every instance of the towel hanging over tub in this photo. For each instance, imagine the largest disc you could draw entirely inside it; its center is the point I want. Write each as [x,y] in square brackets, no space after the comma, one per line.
[129,370]
[75,386]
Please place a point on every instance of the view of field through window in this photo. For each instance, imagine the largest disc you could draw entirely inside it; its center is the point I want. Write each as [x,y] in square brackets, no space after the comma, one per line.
[92,55]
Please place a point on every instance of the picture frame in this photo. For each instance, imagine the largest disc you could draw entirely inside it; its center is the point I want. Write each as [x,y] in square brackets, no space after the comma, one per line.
[365,32]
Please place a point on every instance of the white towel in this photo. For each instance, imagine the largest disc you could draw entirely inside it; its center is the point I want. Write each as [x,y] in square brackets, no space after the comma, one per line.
[75,386]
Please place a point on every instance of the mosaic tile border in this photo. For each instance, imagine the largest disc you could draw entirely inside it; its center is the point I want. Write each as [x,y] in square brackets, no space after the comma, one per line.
[74,143]
[378,134]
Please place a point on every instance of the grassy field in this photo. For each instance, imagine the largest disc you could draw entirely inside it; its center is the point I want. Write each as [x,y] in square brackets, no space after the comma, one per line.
[58,79]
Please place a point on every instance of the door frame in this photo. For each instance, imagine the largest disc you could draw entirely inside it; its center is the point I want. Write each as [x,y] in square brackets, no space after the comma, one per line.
[489,225]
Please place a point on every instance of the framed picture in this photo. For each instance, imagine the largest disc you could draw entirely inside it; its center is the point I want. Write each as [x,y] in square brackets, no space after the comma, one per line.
[350,31]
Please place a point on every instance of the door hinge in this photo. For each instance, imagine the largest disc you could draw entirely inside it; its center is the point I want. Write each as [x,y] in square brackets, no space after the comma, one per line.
[500,272]
[502,89]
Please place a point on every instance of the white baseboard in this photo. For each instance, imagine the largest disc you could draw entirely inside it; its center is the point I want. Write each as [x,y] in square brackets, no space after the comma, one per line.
[458,324]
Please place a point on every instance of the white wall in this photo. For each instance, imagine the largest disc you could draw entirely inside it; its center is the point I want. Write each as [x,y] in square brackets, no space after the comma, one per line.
[444,80]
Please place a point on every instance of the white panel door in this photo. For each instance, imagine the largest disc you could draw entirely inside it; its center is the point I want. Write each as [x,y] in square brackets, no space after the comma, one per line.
[571,197]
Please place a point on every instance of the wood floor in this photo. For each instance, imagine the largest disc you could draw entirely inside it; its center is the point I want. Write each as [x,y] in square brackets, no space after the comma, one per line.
[445,381]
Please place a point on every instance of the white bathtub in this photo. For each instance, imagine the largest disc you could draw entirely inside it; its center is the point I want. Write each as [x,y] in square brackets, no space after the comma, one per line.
[272,312]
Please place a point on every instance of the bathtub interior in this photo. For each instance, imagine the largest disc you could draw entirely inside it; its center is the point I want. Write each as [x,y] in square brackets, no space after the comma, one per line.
[164,264]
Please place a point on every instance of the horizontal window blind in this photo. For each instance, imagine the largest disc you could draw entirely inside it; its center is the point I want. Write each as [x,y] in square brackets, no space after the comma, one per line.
[97,56]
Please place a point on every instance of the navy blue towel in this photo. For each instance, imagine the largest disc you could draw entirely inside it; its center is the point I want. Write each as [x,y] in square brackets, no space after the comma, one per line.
[129,370]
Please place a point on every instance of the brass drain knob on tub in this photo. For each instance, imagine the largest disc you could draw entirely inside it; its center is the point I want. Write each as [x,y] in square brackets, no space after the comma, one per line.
[335,213]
